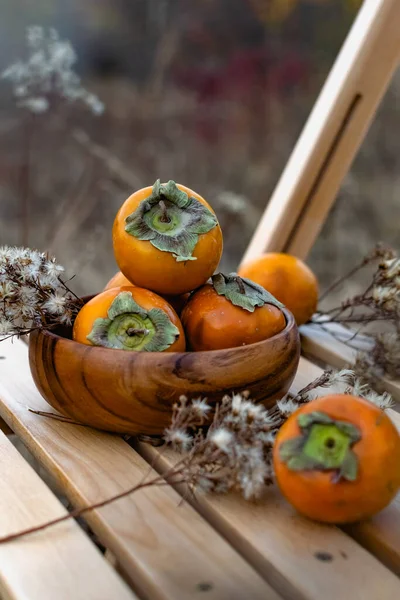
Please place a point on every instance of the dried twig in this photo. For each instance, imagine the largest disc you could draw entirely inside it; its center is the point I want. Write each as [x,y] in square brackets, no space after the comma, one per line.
[112,162]
[378,303]
[50,415]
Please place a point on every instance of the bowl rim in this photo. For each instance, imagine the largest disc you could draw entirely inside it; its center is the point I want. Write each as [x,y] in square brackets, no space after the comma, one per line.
[289,327]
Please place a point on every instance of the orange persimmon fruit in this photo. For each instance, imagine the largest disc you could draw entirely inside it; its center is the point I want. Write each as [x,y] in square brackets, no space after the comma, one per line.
[166,238]
[230,312]
[287,278]
[177,302]
[129,318]
[337,459]
[119,280]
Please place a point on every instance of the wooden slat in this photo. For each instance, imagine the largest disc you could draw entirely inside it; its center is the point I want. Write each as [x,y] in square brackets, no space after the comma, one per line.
[324,347]
[167,551]
[380,535]
[62,564]
[332,134]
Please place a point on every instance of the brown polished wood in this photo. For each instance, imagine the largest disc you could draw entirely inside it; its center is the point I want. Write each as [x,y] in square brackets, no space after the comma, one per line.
[133,392]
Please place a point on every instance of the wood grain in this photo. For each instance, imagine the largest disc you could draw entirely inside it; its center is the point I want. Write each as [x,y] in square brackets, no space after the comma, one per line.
[63,563]
[380,535]
[333,133]
[163,546]
[133,392]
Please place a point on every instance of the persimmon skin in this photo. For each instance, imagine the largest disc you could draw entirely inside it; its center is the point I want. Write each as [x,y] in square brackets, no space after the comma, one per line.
[314,494]
[150,268]
[287,278]
[98,307]
[118,280]
[212,322]
[177,302]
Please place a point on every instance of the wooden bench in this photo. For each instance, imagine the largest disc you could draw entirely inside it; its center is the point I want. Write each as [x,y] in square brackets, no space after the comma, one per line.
[163,547]
[161,543]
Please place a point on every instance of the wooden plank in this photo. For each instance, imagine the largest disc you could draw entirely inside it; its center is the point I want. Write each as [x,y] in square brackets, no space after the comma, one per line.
[60,564]
[333,133]
[322,346]
[165,549]
[380,535]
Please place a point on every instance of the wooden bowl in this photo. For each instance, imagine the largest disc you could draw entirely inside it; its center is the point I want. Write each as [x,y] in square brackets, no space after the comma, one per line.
[133,392]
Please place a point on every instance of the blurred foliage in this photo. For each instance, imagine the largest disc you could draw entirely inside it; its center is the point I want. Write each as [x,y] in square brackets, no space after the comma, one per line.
[211,93]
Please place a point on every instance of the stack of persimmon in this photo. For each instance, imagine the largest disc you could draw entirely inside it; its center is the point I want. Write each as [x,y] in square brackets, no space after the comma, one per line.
[335,459]
[166,297]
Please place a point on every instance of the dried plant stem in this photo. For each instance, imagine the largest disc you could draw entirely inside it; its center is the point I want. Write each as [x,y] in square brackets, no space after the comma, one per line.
[49,415]
[367,260]
[78,512]
[343,278]
[354,319]
[25,180]
[112,162]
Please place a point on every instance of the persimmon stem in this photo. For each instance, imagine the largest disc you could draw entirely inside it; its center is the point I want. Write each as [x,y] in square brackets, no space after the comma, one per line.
[240,285]
[164,215]
[137,331]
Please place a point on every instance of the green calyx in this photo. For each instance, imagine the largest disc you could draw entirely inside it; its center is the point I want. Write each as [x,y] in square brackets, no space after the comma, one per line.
[243,292]
[324,445]
[171,221]
[130,327]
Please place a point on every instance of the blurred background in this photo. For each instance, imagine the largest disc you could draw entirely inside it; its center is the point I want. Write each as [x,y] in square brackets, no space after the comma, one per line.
[210,93]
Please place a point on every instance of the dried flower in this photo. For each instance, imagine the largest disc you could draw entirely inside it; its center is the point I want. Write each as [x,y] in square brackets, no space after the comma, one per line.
[47,74]
[201,407]
[32,294]
[384,400]
[287,406]
[222,438]
[383,359]
[235,451]
[178,438]
[55,304]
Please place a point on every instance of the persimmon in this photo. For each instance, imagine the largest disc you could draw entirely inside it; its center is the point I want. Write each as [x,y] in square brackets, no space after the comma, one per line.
[287,278]
[118,280]
[230,312]
[337,459]
[177,302]
[129,318]
[167,239]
